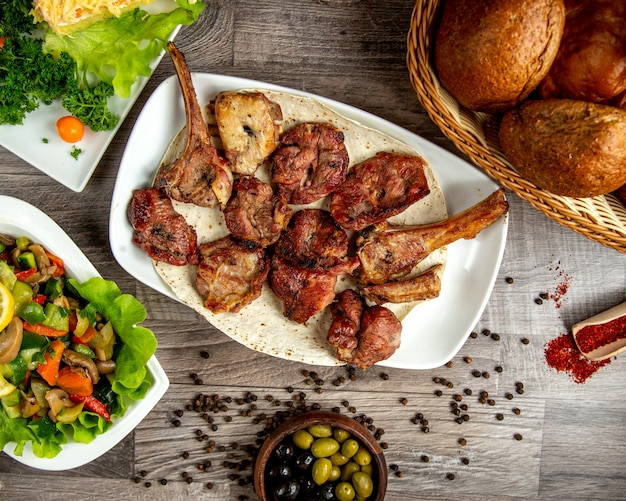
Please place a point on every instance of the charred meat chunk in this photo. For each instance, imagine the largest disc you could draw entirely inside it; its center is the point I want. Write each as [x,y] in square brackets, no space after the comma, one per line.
[314,240]
[310,162]
[363,335]
[199,175]
[307,259]
[230,276]
[426,285]
[378,188]
[159,230]
[389,252]
[254,214]
[249,125]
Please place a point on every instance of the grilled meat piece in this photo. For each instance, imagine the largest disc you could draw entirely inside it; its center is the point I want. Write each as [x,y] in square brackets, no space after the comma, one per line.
[159,230]
[389,252]
[378,188]
[310,162]
[308,257]
[254,214]
[426,285]
[313,240]
[304,292]
[230,276]
[362,335]
[250,126]
[199,175]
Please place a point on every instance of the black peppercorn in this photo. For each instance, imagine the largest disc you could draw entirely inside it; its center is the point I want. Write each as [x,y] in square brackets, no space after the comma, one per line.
[518,436]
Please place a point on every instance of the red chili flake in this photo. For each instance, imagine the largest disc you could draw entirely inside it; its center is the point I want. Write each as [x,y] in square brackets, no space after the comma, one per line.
[592,336]
[563,355]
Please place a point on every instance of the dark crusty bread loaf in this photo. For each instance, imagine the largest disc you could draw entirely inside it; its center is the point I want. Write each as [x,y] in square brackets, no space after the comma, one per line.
[491,54]
[568,147]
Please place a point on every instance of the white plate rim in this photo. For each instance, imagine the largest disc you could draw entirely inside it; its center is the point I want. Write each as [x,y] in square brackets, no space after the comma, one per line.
[430,338]
[19,218]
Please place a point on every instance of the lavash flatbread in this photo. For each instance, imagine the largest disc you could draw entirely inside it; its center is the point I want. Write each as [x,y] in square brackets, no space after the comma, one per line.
[261,325]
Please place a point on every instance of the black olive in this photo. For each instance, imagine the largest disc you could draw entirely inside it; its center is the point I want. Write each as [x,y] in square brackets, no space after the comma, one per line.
[285,451]
[326,492]
[287,490]
[279,470]
[306,484]
[304,460]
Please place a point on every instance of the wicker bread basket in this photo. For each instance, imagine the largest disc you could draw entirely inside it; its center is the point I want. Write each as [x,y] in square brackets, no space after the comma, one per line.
[601,218]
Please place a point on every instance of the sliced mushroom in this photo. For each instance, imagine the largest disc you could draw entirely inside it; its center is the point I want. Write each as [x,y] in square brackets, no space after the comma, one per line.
[106,366]
[57,399]
[11,340]
[75,359]
[30,407]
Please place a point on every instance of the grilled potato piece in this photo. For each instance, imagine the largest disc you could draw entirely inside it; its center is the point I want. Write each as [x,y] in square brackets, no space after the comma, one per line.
[249,125]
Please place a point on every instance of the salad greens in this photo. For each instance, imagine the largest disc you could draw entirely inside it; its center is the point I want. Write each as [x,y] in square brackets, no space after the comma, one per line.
[84,68]
[61,316]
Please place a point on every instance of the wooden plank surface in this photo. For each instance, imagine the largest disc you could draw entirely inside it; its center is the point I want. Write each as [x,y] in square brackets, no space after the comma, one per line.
[574,435]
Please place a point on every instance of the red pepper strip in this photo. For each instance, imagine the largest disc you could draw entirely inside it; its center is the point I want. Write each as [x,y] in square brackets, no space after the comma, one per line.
[23,275]
[77,340]
[40,299]
[92,404]
[58,262]
[43,330]
[72,320]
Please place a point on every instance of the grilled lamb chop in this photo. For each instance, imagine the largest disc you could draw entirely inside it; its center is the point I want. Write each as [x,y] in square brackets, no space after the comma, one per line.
[254,214]
[378,188]
[159,230]
[310,162]
[314,240]
[426,285]
[307,259]
[362,335]
[229,275]
[199,175]
[249,126]
[389,252]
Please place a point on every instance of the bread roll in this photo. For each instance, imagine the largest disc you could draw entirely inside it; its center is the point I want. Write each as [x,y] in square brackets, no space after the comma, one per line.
[591,61]
[570,148]
[491,54]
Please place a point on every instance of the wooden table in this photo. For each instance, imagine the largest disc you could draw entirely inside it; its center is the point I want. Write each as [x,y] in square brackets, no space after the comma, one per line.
[574,435]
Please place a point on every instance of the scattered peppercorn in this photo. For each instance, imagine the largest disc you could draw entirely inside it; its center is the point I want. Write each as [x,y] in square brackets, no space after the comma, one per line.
[465,461]
[538,300]
[509,280]
[462,441]
[516,411]
[509,396]
[474,335]
[525,340]
[486,332]
[450,476]
[486,375]
[204,354]
[495,337]
[518,436]
[425,458]
[404,401]
[498,368]
[476,373]
[499,416]
[468,360]
[163,481]
[384,376]
[449,364]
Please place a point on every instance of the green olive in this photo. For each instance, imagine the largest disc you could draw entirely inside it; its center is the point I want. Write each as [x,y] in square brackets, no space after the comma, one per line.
[349,448]
[303,439]
[344,491]
[324,447]
[341,435]
[348,470]
[363,457]
[321,430]
[321,470]
[335,473]
[362,484]
[368,468]
[338,459]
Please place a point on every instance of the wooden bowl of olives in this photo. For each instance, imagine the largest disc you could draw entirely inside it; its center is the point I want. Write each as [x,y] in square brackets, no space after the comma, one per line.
[320,456]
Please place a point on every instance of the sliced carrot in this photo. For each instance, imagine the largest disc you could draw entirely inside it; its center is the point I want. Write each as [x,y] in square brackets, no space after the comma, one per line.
[75,381]
[43,330]
[49,370]
[58,262]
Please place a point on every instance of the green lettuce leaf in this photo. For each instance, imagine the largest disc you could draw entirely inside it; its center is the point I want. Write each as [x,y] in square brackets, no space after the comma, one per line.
[119,50]
[139,343]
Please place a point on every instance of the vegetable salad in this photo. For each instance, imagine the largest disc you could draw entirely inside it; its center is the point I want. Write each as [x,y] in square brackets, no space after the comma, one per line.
[72,355]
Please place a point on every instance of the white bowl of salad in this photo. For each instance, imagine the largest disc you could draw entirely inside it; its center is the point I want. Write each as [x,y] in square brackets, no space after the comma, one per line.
[77,370]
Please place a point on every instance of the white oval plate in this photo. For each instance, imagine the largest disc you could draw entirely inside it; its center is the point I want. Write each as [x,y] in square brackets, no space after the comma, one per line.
[36,141]
[18,218]
[434,330]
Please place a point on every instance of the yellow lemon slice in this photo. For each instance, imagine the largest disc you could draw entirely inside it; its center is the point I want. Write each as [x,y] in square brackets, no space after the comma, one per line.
[6,306]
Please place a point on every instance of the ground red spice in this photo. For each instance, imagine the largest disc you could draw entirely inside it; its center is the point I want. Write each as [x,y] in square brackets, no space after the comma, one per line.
[591,337]
[563,355]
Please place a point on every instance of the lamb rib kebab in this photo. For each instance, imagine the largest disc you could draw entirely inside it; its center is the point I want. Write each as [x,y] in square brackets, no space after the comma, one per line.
[388,252]
[200,175]
[426,285]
